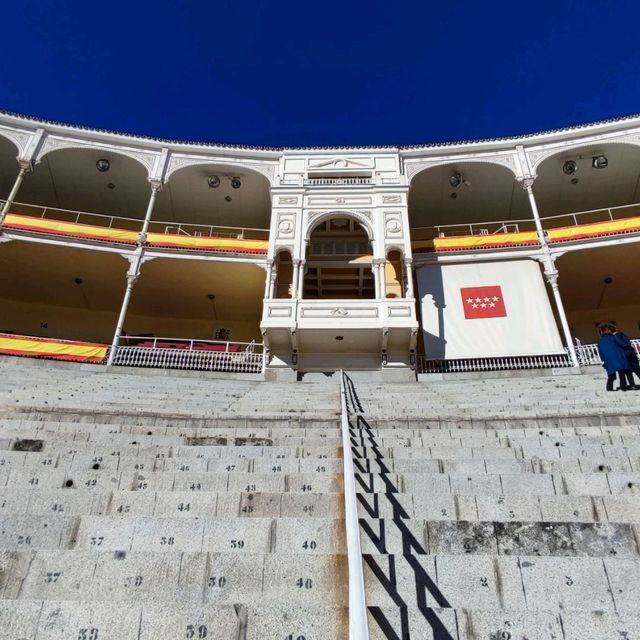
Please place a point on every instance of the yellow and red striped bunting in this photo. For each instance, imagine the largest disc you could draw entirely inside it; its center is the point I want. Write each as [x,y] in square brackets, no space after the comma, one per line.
[122,236]
[51,348]
[525,238]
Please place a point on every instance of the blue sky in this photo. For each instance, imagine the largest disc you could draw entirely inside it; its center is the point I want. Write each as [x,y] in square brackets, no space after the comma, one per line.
[329,73]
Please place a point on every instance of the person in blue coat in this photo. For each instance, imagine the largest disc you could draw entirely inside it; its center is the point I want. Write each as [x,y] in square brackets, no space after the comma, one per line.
[629,350]
[614,358]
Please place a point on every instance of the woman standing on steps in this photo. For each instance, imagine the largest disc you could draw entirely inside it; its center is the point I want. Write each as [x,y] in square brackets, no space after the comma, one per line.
[614,358]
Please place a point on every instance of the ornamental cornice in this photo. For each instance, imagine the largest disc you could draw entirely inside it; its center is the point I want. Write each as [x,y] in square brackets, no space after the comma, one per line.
[506,160]
[52,143]
[177,162]
[538,156]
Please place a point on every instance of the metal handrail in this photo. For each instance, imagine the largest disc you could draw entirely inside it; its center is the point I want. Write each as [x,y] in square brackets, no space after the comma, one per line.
[249,347]
[358,623]
[474,228]
[166,227]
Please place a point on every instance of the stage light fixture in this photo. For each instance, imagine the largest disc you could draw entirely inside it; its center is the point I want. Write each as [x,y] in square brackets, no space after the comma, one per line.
[103,165]
[569,167]
[455,180]
[599,162]
[235,183]
[213,182]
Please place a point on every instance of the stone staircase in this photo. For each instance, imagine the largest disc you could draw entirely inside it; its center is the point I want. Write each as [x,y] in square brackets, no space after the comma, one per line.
[499,509]
[146,507]
[138,506]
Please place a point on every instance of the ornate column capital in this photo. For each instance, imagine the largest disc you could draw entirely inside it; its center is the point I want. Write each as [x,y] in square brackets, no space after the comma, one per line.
[526,182]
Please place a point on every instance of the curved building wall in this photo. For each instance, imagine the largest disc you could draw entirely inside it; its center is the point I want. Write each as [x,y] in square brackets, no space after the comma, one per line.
[184,238]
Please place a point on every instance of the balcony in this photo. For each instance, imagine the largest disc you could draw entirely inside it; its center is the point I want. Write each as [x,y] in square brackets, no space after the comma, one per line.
[36,220]
[570,227]
[343,314]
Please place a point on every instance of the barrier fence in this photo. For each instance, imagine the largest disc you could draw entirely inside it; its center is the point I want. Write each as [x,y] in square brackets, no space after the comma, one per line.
[199,355]
[587,355]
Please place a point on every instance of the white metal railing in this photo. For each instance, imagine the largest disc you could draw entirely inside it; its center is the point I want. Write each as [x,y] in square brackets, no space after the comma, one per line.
[199,355]
[527,224]
[358,624]
[135,224]
[345,181]
[587,355]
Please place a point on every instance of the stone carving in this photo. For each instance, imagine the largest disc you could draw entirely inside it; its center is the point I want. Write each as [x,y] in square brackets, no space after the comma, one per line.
[392,199]
[393,226]
[288,200]
[339,312]
[285,227]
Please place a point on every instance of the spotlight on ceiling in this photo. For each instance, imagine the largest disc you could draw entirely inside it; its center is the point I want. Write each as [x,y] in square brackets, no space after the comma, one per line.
[599,162]
[455,180]
[235,183]
[569,167]
[608,280]
[103,165]
[211,296]
[78,280]
[213,182]
[228,198]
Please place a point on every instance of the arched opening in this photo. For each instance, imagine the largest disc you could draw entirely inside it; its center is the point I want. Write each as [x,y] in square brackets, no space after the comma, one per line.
[284,271]
[68,181]
[394,275]
[339,259]
[599,285]
[467,198]
[590,182]
[212,194]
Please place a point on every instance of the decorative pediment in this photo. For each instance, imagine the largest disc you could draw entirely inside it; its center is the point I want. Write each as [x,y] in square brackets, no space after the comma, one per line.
[340,166]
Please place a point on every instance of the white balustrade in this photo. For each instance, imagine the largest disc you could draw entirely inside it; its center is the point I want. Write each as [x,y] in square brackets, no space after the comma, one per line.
[233,357]
[587,355]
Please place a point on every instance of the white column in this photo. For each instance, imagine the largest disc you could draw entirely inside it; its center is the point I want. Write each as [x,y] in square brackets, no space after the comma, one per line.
[134,270]
[14,192]
[132,277]
[273,281]
[294,279]
[382,285]
[550,271]
[156,187]
[408,262]
[267,284]
[300,288]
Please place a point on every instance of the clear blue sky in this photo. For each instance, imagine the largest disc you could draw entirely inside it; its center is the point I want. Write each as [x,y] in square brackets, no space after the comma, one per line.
[325,73]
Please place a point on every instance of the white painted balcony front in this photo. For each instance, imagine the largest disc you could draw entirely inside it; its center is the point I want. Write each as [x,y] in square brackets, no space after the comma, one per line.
[347,314]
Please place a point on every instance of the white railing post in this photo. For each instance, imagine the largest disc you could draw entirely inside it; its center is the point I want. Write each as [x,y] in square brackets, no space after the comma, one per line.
[358,624]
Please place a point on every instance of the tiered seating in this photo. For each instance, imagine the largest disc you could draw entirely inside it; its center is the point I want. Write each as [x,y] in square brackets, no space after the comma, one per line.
[518,499]
[154,507]
[149,506]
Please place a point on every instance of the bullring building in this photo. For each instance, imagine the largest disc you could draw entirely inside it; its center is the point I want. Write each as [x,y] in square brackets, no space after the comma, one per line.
[317,393]
[501,253]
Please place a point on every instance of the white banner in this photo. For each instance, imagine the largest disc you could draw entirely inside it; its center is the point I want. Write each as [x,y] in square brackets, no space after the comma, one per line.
[486,310]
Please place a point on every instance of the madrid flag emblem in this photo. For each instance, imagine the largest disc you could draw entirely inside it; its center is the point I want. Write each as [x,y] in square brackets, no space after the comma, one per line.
[483,302]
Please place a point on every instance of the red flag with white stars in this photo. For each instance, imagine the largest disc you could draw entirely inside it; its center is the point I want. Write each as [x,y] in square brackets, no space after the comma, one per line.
[483,302]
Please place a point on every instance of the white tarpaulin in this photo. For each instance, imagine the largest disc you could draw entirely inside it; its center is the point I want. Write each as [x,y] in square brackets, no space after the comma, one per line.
[485,310]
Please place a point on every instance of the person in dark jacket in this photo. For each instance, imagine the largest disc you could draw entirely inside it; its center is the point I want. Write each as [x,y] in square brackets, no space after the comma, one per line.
[614,358]
[630,352]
